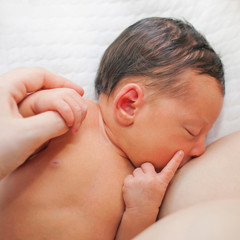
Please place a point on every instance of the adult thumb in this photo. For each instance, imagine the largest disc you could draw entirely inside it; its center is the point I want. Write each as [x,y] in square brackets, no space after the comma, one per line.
[45,126]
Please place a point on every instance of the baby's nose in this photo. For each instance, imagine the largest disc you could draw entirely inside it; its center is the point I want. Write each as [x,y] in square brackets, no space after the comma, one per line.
[198,149]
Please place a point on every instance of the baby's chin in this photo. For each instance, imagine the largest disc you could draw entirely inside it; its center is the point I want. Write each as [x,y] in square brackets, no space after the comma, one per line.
[184,161]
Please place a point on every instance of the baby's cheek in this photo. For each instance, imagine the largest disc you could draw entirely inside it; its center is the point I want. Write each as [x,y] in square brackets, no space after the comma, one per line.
[160,162]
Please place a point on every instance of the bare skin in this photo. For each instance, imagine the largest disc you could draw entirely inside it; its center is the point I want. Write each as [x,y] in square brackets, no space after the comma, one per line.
[58,194]
[203,201]
[52,185]
[213,220]
[212,176]
[14,87]
[75,185]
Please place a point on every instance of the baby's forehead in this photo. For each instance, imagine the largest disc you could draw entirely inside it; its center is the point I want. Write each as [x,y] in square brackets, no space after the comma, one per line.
[193,91]
[190,83]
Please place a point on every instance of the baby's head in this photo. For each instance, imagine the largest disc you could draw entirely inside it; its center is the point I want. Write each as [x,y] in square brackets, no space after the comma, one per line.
[160,87]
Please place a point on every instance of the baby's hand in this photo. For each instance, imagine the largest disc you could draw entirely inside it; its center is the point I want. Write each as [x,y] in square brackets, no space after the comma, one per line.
[67,102]
[145,188]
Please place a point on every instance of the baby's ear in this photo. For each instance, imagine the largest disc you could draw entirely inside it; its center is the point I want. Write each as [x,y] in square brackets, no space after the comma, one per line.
[127,102]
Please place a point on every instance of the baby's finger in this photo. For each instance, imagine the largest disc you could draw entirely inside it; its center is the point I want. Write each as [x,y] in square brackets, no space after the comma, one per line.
[66,112]
[80,112]
[127,181]
[170,169]
[56,104]
[79,109]
[148,168]
[137,172]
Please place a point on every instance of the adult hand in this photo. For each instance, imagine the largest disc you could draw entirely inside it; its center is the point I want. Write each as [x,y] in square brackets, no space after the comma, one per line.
[20,137]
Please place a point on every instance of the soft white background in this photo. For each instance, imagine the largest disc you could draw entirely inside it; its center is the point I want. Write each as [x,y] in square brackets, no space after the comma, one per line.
[69,37]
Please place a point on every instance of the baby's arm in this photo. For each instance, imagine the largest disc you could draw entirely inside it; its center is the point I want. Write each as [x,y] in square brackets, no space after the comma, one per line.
[143,192]
[67,102]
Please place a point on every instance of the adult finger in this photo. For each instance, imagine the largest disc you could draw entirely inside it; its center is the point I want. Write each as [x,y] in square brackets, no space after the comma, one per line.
[170,169]
[21,81]
[45,126]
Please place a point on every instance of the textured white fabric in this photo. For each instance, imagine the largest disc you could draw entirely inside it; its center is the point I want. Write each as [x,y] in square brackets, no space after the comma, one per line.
[69,37]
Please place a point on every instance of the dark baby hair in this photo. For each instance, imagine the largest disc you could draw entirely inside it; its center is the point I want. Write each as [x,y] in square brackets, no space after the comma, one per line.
[161,49]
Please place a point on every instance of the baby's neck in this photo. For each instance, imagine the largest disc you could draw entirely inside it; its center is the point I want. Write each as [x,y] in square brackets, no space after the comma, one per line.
[106,122]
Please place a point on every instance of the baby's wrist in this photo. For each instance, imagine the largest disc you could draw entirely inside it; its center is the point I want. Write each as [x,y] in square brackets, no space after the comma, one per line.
[142,210]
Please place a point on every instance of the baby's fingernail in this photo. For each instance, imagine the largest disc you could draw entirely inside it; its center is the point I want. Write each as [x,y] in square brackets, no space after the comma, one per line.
[180,153]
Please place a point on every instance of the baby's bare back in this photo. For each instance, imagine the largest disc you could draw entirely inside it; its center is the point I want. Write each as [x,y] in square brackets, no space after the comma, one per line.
[71,190]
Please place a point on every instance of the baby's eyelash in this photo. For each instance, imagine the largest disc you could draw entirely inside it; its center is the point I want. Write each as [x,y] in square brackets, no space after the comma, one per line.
[193,135]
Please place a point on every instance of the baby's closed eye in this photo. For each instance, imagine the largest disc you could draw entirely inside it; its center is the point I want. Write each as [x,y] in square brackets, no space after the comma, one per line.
[192,132]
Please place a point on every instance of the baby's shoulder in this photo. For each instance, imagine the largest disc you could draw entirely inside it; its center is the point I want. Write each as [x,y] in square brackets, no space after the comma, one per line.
[93,113]
[91,104]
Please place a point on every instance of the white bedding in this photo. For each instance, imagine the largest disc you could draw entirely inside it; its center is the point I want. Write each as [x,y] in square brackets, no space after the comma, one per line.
[69,37]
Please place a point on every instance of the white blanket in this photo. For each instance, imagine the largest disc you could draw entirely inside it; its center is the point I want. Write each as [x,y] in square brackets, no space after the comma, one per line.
[69,37]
